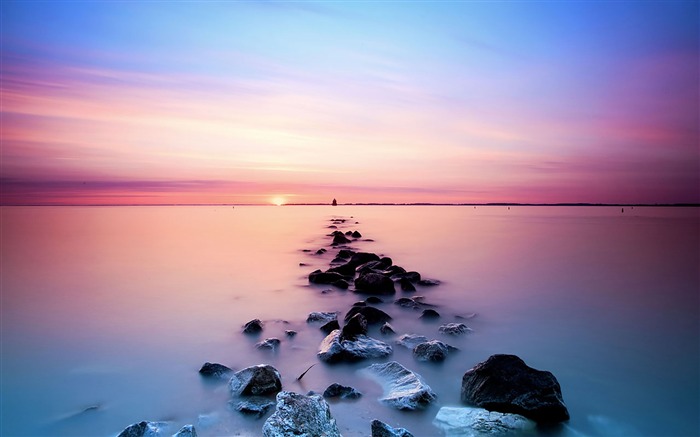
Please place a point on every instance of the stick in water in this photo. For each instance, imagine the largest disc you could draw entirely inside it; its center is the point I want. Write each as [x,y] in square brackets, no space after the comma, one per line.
[302,375]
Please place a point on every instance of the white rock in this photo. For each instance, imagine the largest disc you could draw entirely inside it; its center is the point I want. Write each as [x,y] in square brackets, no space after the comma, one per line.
[299,415]
[403,389]
[478,422]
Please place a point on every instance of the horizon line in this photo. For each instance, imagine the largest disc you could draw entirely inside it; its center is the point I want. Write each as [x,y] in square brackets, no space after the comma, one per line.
[678,204]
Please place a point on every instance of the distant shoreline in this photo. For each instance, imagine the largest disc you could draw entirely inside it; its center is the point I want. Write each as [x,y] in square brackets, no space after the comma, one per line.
[663,205]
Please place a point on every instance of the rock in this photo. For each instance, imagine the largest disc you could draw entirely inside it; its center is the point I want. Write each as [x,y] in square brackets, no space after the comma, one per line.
[374,283]
[360,303]
[429,314]
[255,380]
[478,422]
[253,327]
[372,315]
[433,350]
[186,431]
[395,270]
[454,328]
[215,370]
[406,302]
[298,415]
[387,329]
[376,266]
[320,251]
[345,253]
[410,341]
[381,429]
[143,429]
[338,260]
[403,389]
[335,349]
[340,239]
[268,343]
[374,300]
[356,235]
[506,384]
[332,227]
[412,276]
[428,282]
[406,285]
[255,406]
[348,232]
[346,269]
[321,316]
[341,391]
[319,277]
[330,327]
[290,332]
[357,325]
[341,284]
[360,258]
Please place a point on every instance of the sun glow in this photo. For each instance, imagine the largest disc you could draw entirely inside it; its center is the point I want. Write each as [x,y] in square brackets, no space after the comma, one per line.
[279,201]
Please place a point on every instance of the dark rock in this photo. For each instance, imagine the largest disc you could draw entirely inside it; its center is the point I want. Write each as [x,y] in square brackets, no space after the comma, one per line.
[360,258]
[348,232]
[341,284]
[340,239]
[372,315]
[371,267]
[335,349]
[255,406]
[403,389]
[319,277]
[357,325]
[412,276]
[374,283]
[306,250]
[253,327]
[338,260]
[406,302]
[330,327]
[320,251]
[393,270]
[433,350]
[406,285]
[341,391]
[360,303]
[215,370]
[356,235]
[454,328]
[429,314]
[428,282]
[410,341]
[387,329]
[345,253]
[290,333]
[387,261]
[506,384]
[298,415]
[332,227]
[302,264]
[346,269]
[381,429]
[321,316]
[255,380]
[374,300]
[269,344]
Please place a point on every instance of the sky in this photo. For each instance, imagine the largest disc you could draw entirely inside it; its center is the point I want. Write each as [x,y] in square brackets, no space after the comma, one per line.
[161,102]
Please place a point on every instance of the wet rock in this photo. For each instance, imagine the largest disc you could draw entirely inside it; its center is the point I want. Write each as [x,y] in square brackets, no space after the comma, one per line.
[403,389]
[340,239]
[341,284]
[360,258]
[381,429]
[321,316]
[371,314]
[320,251]
[268,344]
[412,276]
[338,260]
[387,329]
[410,341]
[504,383]
[406,285]
[330,326]
[374,300]
[298,415]
[356,235]
[345,253]
[374,283]
[406,302]
[428,282]
[346,269]
[143,429]
[319,277]
[253,327]
[341,391]
[186,431]
[429,314]
[357,325]
[478,422]
[433,350]
[290,333]
[215,370]
[454,328]
[334,348]
[255,380]
[360,303]
[348,232]
[255,406]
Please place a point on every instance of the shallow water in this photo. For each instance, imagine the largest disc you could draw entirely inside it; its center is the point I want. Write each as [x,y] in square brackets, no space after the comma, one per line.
[118,307]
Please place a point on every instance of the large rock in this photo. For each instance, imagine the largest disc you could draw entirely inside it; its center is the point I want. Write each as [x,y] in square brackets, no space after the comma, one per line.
[357,325]
[433,350]
[319,277]
[347,269]
[374,283]
[330,327]
[478,422]
[371,314]
[506,384]
[381,429]
[255,380]
[334,348]
[143,429]
[300,416]
[215,370]
[340,239]
[403,389]
[360,258]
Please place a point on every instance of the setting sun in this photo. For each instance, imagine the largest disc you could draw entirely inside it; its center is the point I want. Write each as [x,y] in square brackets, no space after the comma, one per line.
[279,201]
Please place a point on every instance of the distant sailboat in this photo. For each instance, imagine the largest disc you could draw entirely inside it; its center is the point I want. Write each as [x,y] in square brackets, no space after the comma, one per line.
[335,203]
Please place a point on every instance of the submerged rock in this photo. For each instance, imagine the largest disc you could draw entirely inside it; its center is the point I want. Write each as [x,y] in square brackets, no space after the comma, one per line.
[340,239]
[410,341]
[298,415]
[347,269]
[253,327]
[478,422]
[374,283]
[406,302]
[429,314]
[433,350]
[403,389]
[506,384]
[320,316]
[374,300]
[428,282]
[330,327]
[334,348]
[341,391]
[255,380]
[345,253]
[454,328]
[268,343]
[255,406]
[319,277]
[406,285]
[186,431]
[290,333]
[215,370]
[381,429]
[387,329]
[143,429]
[372,315]
[412,276]
[356,234]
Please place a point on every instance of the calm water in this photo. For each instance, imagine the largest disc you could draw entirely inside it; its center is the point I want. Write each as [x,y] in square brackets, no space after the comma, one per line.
[118,307]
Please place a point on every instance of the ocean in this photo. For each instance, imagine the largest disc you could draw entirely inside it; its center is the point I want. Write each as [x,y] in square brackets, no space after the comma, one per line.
[109,312]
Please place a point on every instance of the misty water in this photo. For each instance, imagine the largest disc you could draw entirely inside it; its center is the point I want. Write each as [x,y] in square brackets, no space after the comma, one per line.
[109,312]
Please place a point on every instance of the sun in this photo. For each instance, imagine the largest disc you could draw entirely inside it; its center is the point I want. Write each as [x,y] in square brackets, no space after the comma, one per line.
[279,201]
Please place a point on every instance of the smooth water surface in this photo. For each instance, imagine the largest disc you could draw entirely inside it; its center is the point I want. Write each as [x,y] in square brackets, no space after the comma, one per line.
[108,312]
